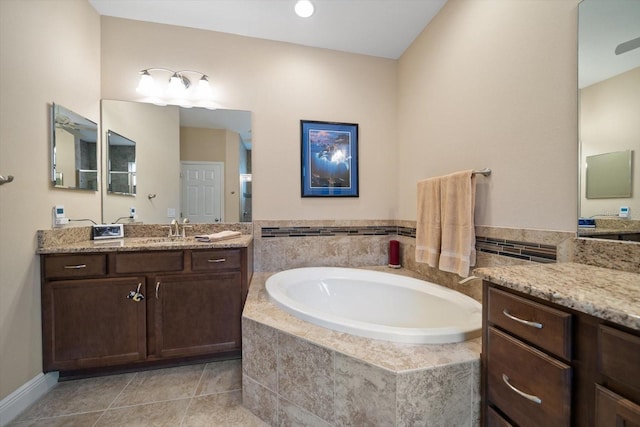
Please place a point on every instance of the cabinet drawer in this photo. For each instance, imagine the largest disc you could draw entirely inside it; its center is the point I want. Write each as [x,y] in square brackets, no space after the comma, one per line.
[615,410]
[149,262]
[530,387]
[619,357]
[495,420]
[221,259]
[70,266]
[543,326]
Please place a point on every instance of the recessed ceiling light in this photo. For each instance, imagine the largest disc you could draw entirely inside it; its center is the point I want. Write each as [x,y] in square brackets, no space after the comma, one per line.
[304,8]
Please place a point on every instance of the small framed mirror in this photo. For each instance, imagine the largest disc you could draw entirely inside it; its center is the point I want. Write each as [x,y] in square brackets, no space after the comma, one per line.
[609,175]
[121,164]
[74,150]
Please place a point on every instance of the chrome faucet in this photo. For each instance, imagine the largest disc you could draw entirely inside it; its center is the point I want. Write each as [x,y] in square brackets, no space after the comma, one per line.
[174,228]
[174,224]
[185,221]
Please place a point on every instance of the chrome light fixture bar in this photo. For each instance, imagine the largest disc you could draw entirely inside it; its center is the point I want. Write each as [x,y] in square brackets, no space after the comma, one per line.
[178,88]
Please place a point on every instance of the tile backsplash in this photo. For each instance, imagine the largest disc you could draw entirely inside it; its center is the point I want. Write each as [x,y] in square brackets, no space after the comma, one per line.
[280,245]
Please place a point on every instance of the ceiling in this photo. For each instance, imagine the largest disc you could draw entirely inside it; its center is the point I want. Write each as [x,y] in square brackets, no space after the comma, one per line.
[383,28]
[603,25]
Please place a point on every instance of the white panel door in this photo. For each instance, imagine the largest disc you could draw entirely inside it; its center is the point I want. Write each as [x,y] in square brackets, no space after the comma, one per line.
[202,191]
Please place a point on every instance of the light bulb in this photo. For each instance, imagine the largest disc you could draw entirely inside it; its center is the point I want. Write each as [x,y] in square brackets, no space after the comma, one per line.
[204,89]
[146,86]
[304,8]
[176,86]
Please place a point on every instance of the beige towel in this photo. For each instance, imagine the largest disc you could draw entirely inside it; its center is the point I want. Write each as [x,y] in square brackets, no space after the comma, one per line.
[458,198]
[428,232]
[223,235]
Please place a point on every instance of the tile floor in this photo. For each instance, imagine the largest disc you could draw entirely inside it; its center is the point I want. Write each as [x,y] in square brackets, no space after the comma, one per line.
[196,395]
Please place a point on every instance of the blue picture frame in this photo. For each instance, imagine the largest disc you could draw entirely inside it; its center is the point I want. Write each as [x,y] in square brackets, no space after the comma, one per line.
[329,159]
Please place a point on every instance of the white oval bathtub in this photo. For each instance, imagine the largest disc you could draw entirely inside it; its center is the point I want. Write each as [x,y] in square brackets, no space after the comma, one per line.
[376,305]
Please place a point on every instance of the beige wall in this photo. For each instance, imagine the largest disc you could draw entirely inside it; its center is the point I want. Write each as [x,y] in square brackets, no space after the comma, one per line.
[281,84]
[50,52]
[609,113]
[232,176]
[156,132]
[207,145]
[493,83]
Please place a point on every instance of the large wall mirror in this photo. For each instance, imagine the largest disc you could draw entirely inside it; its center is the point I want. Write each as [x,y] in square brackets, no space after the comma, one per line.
[74,150]
[189,163]
[609,106]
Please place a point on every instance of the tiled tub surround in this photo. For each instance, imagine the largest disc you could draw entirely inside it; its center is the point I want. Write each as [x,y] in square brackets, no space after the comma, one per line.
[281,245]
[296,373]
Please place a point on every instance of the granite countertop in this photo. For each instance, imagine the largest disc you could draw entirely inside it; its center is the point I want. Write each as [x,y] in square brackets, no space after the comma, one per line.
[129,244]
[604,293]
[585,231]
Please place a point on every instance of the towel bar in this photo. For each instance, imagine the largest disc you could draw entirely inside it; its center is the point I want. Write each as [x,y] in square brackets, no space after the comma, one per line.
[485,172]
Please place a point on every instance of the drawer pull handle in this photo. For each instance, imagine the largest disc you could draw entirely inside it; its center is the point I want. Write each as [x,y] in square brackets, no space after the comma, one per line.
[157,289]
[75,267]
[527,396]
[217,260]
[524,322]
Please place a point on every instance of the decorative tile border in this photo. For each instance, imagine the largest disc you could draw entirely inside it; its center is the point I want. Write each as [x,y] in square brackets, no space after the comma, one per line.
[528,251]
[522,250]
[328,231]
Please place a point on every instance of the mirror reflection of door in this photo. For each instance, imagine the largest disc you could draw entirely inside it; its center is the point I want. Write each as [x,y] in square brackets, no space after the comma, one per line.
[202,195]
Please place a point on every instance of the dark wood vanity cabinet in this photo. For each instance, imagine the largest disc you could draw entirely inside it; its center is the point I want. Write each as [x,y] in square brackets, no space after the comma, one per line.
[123,309]
[197,314]
[547,365]
[90,322]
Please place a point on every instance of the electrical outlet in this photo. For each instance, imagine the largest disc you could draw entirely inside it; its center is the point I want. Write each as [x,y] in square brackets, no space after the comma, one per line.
[171,213]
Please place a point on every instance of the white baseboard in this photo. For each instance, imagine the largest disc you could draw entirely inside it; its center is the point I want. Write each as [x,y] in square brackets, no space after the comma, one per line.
[12,405]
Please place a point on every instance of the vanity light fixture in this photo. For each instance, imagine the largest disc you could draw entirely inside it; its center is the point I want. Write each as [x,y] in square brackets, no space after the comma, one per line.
[178,88]
[304,8]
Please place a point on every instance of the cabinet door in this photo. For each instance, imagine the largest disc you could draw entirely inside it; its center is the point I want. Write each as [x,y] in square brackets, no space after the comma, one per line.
[197,314]
[91,323]
[614,410]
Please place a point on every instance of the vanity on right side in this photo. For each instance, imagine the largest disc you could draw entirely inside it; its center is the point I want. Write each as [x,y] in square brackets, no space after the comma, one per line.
[560,346]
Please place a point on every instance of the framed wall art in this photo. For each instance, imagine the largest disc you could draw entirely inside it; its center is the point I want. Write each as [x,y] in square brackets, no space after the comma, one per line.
[329,159]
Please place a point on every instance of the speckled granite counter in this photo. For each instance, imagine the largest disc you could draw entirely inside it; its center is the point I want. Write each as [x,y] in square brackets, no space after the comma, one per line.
[604,293]
[586,232]
[129,244]
[139,237]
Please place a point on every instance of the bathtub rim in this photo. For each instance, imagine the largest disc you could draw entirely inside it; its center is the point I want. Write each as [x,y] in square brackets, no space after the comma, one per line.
[403,335]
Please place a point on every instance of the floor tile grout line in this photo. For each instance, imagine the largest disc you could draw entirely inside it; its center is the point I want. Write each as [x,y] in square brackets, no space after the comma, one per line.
[53,417]
[115,398]
[193,395]
[204,369]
